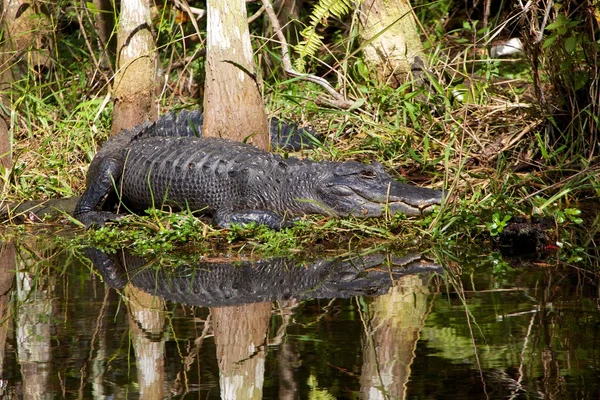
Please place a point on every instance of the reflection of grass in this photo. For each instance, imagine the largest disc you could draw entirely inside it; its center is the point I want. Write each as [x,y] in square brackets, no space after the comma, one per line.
[515,320]
[459,349]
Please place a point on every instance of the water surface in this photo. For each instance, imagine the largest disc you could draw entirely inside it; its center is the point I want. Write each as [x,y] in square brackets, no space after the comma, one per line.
[376,326]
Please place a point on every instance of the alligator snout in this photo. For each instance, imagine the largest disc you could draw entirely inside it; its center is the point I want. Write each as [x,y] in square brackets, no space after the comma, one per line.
[412,200]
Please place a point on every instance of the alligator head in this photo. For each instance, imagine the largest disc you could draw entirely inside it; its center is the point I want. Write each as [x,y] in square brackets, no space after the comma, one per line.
[366,190]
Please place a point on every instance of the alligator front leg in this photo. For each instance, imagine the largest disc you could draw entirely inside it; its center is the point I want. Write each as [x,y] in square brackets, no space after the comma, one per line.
[100,185]
[273,220]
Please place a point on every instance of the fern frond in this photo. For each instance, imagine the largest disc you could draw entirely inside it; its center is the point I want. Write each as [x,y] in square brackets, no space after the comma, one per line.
[320,13]
[307,47]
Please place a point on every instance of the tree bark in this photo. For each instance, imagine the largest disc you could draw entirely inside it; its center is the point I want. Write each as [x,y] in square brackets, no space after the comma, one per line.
[233,106]
[104,22]
[392,46]
[26,44]
[134,86]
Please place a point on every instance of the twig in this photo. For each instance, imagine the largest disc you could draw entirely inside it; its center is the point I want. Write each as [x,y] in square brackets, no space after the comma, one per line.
[338,100]
[182,4]
[179,64]
[255,16]
[549,7]
[515,139]
[89,45]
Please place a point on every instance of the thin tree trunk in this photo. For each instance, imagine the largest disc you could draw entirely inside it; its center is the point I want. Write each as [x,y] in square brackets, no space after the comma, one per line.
[392,46]
[104,22]
[27,44]
[233,106]
[135,79]
[5,141]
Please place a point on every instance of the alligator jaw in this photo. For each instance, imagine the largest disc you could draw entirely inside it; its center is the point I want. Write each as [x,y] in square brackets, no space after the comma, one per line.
[410,200]
[413,209]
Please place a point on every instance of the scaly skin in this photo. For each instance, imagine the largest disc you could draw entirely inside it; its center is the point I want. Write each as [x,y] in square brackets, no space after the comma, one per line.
[218,284]
[164,164]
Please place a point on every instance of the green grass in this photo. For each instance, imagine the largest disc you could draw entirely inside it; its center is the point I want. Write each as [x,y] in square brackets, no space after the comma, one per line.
[477,130]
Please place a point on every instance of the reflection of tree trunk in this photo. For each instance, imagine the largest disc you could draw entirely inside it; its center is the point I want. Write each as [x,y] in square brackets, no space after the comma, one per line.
[99,346]
[240,336]
[136,67]
[233,106]
[146,326]
[34,314]
[7,276]
[552,381]
[394,322]
[288,359]
[391,41]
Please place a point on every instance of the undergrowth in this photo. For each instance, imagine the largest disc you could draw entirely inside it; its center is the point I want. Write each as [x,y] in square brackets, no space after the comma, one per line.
[503,137]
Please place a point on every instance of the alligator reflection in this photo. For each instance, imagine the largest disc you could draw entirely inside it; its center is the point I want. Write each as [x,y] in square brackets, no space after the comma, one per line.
[216,284]
[240,296]
[64,333]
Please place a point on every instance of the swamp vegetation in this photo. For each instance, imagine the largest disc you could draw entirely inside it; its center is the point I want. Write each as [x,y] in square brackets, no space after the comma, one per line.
[509,138]
[504,119]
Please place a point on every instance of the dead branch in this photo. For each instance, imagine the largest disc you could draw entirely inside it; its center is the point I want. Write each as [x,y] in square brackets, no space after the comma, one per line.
[338,99]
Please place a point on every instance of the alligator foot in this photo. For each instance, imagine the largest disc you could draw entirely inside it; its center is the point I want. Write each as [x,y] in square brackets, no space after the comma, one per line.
[98,218]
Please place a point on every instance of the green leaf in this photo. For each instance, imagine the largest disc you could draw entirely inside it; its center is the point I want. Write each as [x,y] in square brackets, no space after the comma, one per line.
[570,44]
[581,79]
[561,20]
[362,69]
[91,7]
[548,42]
[357,104]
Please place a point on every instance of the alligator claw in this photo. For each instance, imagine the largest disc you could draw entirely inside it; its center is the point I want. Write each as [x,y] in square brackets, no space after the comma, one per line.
[263,217]
[98,218]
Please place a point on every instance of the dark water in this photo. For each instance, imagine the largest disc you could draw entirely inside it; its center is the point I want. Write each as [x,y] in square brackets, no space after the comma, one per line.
[401,327]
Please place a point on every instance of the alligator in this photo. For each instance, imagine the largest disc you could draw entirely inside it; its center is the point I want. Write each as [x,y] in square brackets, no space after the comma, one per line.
[226,283]
[166,164]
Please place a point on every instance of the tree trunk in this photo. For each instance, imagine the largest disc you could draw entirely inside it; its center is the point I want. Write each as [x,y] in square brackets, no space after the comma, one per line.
[104,22]
[5,142]
[233,106]
[392,46]
[26,44]
[135,79]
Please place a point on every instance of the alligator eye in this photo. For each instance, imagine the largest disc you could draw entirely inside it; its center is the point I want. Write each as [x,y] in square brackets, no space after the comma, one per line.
[367,174]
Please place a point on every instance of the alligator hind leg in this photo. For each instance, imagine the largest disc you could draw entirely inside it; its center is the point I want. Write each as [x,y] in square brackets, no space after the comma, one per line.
[263,217]
[101,184]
